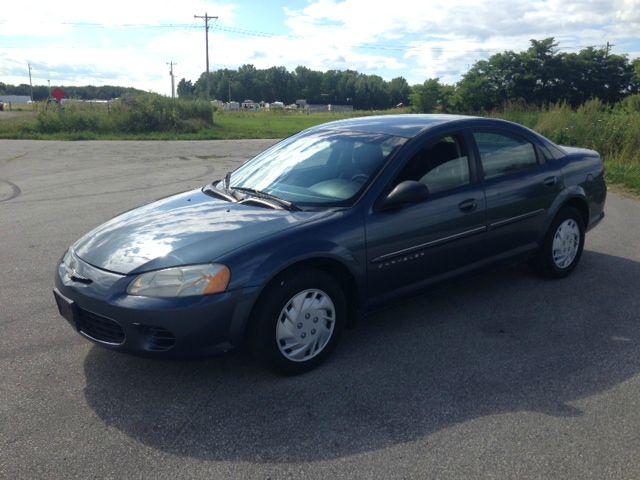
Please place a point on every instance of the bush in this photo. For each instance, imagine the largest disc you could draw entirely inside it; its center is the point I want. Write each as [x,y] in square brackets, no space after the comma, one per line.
[613,132]
[630,104]
[591,107]
[140,114]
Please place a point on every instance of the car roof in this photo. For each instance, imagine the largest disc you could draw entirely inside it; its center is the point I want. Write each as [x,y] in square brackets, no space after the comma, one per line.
[398,125]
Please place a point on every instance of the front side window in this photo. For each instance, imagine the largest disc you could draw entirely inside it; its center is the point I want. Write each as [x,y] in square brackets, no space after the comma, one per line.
[441,165]
[326,168]
[503,154]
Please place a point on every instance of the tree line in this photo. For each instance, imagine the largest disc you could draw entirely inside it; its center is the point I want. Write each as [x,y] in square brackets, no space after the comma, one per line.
[364,92]
[540,75]
[88,92]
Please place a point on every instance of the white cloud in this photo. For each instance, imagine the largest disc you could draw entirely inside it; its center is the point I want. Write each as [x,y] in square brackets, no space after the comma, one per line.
[447,38]
[63,58]
[413,39]
[45,18]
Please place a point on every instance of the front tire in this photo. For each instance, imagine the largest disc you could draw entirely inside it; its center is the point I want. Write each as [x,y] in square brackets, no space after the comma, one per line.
[563,244]
[298,320]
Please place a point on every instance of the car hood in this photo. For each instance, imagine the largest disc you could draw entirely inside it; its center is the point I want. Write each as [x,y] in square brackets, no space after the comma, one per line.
[184,229]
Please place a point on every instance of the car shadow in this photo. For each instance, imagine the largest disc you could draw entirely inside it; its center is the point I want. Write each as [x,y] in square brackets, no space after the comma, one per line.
[502,342]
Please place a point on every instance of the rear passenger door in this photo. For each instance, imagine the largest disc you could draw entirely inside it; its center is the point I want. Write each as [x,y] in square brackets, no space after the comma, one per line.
[520,186]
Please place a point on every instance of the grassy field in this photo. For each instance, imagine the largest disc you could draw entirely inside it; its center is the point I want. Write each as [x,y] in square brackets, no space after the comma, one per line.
[613,131]
[225,126]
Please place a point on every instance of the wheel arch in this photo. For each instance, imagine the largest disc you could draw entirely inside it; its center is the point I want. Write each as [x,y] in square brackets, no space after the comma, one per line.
[545,261]
[574,197]
[330,265]
[581,205]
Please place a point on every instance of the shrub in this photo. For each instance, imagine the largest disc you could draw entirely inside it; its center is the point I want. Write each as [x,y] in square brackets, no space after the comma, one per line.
[613,132]
[141,114]
[630,104]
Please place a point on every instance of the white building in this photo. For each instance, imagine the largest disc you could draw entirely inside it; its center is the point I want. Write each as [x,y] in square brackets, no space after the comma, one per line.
[15,99]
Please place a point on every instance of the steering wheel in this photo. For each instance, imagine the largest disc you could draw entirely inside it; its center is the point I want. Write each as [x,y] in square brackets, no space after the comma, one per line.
[360,177]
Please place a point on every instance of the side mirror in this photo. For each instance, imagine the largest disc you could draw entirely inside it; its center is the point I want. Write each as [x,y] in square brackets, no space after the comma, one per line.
[404,193]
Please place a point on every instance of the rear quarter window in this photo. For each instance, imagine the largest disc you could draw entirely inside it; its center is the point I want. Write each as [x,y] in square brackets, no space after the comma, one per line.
[503,154]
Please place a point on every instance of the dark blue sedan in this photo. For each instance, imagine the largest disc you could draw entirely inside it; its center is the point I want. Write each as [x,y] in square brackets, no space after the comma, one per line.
[288,249]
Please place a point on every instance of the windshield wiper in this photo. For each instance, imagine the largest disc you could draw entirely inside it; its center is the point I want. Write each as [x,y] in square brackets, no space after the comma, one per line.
[211,190]
[286,204]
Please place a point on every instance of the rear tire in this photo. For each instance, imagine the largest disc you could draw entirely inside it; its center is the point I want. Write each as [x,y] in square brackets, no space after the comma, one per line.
[298,320]
[562,246]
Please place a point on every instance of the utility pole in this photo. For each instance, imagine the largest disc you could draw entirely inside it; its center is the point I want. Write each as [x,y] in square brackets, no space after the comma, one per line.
[30,84]
[609,45]
[173,82]
[206,19]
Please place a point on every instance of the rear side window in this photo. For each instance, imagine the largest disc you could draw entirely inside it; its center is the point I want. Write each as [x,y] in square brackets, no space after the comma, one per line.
[503,154]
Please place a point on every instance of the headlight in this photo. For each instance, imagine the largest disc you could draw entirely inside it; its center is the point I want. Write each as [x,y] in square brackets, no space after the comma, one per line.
[182,281]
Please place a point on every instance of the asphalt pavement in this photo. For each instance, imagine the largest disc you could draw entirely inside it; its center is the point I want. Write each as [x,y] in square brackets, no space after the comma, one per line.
[502,375]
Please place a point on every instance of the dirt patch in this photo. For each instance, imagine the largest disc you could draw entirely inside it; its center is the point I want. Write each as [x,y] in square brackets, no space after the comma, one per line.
[623,191]
[6,115]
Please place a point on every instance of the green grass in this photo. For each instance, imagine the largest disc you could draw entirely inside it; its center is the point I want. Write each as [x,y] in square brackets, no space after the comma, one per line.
[267,124]
[612,131]
[130,116]
[624,174]
[97,125]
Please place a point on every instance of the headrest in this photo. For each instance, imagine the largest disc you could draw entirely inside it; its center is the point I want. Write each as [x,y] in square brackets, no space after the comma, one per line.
[367,156]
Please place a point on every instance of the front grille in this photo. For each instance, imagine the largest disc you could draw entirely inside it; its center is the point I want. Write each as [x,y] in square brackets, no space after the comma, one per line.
[158,339]
[100,328]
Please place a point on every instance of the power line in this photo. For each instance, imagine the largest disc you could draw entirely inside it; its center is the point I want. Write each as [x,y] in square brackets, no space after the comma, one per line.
[129,25]
[374,46]
[264,34]
[251,33]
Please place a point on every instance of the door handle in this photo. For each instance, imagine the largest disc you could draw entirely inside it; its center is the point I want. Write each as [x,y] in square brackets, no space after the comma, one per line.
[550,181]
[468,205]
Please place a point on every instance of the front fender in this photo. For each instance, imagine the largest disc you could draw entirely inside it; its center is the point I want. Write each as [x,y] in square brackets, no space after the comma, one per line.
[339,240]
[303,251]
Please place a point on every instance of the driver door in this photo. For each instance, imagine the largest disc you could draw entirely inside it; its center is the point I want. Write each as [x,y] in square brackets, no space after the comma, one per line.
[423,242]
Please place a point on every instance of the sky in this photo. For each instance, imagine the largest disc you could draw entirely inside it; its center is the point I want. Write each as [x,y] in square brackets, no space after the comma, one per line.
[130,43]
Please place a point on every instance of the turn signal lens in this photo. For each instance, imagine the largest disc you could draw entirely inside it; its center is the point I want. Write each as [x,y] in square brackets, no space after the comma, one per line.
[219,282]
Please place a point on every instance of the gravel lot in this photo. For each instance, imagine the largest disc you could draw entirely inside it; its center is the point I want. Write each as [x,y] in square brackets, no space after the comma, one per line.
[503,375]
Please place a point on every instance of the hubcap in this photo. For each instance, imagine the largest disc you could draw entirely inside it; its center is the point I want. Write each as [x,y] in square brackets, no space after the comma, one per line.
[566,242]
[305,325]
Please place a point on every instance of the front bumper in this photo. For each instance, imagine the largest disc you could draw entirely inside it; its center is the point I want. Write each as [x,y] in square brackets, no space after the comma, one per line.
[97,306]
[595,221]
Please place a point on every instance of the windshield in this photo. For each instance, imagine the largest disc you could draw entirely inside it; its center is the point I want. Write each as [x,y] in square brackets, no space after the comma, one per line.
[326,168]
